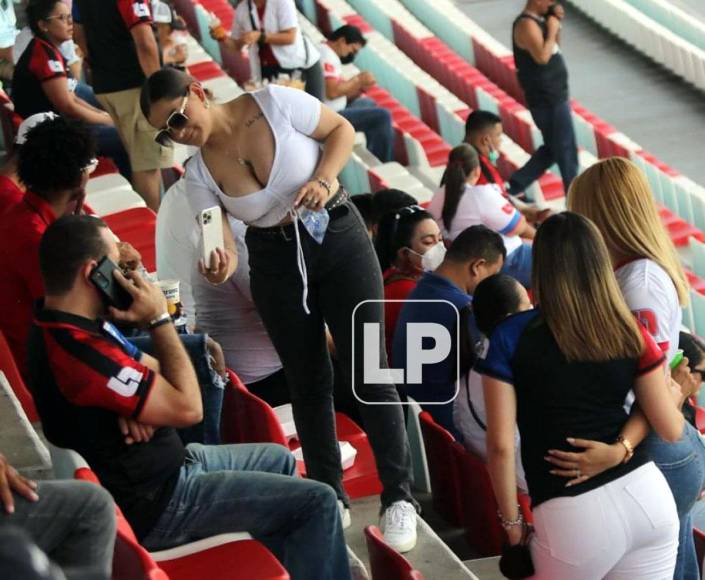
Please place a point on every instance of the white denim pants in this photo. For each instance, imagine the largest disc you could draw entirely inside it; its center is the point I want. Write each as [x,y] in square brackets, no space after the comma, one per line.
[624,530]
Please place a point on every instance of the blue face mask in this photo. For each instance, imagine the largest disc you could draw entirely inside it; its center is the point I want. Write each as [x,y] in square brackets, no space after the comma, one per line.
[493,156]
[315,222]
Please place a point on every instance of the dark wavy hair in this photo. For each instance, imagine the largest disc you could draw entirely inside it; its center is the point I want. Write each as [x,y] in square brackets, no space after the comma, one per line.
[167,83]
[395,231]
[54,156]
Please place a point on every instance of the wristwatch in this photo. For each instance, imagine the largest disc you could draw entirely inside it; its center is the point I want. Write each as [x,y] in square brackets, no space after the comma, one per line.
[160,320]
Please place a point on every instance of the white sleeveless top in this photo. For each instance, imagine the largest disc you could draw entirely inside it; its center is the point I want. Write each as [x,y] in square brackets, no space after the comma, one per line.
[293,116]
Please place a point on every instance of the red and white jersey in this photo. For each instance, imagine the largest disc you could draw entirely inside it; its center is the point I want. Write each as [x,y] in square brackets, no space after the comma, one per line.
[480,205]
[332,70]
[652,297]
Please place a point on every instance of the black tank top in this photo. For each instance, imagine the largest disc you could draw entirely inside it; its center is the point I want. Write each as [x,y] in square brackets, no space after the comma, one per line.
[544,85]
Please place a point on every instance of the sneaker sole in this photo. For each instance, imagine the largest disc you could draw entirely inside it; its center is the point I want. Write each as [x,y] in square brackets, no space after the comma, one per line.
[406,547]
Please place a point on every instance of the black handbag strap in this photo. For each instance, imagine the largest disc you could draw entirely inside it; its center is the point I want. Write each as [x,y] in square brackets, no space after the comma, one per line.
[252,18]
[473,412]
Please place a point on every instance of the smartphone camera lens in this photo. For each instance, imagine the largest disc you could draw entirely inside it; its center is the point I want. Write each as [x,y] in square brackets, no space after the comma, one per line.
[206,219]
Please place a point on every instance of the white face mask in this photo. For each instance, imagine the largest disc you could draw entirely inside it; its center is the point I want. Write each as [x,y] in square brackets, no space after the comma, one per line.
[433,257]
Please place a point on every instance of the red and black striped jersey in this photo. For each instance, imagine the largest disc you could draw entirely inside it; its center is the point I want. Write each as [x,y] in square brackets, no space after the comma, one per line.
[84,376]
[40,62]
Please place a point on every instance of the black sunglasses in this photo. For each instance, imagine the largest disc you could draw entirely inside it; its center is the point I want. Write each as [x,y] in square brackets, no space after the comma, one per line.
[176,121]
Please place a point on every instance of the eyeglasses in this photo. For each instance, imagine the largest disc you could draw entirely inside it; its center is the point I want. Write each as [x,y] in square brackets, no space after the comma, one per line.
[91,166]
[62,17]
[176,121]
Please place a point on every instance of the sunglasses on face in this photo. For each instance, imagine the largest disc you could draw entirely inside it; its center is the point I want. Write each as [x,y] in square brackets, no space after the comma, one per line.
[176,121]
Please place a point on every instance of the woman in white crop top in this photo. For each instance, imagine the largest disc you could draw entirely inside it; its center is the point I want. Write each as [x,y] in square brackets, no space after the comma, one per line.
[615,194]
[271,159]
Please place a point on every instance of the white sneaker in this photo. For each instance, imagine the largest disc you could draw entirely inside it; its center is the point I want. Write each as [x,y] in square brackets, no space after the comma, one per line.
[344,514]
[399,526]
[357,568]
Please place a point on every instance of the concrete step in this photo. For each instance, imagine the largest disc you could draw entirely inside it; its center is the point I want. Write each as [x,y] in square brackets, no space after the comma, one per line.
[431,556]
[19,441]
[485,568]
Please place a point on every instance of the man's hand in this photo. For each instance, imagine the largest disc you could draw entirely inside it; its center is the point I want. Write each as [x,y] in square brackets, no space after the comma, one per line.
[688,384]
[11,481]
[367,79]
[558,11]
[553,25]
[251,37]
[215,351]
[129,257]
[579,467]
[134,431]
[148,302]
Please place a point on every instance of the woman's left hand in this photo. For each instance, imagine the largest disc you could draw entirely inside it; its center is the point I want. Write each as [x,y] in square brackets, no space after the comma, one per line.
[580,467]
[314,195]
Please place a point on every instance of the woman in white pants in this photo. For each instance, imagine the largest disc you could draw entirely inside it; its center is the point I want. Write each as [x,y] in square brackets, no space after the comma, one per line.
[563,370]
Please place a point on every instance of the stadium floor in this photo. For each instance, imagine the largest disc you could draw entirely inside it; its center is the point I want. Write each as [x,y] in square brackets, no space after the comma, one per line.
[652,107]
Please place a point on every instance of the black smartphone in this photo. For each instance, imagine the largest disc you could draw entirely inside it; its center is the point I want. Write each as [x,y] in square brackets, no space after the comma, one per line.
[103,279]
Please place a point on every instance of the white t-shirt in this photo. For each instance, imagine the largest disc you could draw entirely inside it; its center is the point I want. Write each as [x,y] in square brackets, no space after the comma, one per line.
[650,294]
[293,116]
[278,15]
[225,312]
[332,70]
[479,205]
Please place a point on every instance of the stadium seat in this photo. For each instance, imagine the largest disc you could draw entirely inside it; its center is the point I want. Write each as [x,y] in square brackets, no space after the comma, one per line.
[246,418]
[443,469]
[419,462]
[136,226]
[227,556]
[12,374]
[385,562]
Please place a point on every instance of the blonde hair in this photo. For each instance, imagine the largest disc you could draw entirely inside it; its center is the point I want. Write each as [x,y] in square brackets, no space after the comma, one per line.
[615,194]
[577,291]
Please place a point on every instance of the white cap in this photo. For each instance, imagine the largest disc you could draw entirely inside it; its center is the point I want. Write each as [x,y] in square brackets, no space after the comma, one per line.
[161,12]
[30,123]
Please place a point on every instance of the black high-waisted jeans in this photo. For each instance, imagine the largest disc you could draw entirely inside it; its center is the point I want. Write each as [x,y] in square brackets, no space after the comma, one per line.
[342,272]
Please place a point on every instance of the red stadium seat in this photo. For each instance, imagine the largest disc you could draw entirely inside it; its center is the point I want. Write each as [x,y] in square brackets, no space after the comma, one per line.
[137,226]
[385,562]
[221,558]
[482,528]
[443,469]
[246,418]
[12,374]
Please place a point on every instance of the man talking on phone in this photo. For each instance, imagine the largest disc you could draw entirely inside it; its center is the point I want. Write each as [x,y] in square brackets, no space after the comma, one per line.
[543,76]
[88,381]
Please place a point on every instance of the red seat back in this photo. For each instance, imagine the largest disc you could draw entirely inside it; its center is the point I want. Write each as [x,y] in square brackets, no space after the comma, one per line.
[248,419]
[442,469]
[479,507]
[482,528]
[130,560]
[385,562]
[12,373]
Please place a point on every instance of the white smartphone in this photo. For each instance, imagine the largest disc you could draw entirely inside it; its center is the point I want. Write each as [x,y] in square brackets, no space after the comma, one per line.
[211,222]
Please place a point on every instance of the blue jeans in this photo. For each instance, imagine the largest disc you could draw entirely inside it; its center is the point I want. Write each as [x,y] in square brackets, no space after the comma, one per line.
[559,146]
[375,122]
[683,465]
[212,388]
[518,265]
[253,488]
[107,138]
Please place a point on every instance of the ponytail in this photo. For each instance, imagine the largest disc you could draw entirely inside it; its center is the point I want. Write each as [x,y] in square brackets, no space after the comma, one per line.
[462,161]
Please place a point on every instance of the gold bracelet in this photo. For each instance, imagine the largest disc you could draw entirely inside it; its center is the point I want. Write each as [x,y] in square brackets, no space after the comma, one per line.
[628,446]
